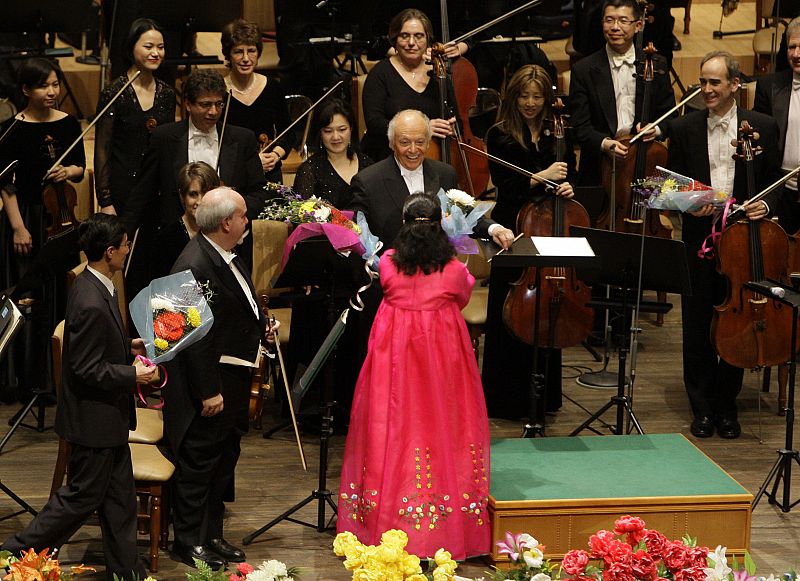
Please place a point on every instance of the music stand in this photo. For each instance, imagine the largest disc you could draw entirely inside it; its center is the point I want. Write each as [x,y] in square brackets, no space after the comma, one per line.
[524,253]
[11,321]
[314,262]
[660,264]
[782,469]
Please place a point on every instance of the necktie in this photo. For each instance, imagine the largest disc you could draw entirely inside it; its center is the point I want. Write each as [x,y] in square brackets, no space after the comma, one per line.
[714,123]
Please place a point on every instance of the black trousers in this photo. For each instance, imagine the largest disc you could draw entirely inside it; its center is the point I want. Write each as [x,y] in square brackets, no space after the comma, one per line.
[206,461]
[100,479]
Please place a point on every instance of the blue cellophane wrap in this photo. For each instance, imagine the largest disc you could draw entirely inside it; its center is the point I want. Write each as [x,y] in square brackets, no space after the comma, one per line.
[182,292]
[459,225]
[370,242]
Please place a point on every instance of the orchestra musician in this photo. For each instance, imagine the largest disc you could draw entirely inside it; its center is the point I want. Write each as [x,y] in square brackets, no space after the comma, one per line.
[257,102]
[605,97]
[700,147]
[520,136]
[778,95]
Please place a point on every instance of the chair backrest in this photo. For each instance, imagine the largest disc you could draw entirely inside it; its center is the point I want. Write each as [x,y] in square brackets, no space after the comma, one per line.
[358,98]
[477,264]
[484,113]
[299,104]
[57,345]
[269,239]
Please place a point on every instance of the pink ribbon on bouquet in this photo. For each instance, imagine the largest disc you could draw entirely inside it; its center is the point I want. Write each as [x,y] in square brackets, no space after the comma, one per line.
[707,248]
[160,404]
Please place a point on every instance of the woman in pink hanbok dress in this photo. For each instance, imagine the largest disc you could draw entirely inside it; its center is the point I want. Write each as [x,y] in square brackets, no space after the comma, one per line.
[417,452]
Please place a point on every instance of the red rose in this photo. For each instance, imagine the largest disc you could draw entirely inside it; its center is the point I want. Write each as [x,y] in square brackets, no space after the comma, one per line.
[599,543]
[632,526]
[675,554]
[643,565]
[244,569]
[697,556]
[169,325]
[575,562]
[655,543]
[618,552]
[618,572]
[693,573]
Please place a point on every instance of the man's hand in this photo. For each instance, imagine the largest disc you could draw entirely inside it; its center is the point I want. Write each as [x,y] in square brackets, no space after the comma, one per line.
[612,147]
[274,325]
[212,406]
[706,210]
[503,236]
[137,347]
[650,135]
[269,160]
[145,374]
[442,127]
[756,210]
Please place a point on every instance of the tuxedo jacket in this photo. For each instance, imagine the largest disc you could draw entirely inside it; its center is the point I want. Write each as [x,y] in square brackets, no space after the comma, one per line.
[157,190]
[773,93]
[593,107]
[237,331]
[688,155]
[379,191]
[95,404]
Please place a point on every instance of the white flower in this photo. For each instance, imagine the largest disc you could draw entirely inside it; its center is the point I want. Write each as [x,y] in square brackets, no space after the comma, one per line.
[161,304]
[719,570]
[534,558]
[540,577]
[322,213]
[268,571]
[526,541]
[460,198]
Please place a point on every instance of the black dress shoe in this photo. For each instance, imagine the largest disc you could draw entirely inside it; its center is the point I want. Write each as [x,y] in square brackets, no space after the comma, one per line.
[224,549]
[728,429]
[188,553]
[702,427]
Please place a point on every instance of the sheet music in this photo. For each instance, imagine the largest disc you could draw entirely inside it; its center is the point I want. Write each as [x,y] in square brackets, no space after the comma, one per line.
[562,246]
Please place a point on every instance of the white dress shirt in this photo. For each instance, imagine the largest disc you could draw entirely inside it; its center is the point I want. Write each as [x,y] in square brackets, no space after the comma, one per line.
[103,278]
[203,146]
[622,75]
[415,180]
[721,132]
[791,147]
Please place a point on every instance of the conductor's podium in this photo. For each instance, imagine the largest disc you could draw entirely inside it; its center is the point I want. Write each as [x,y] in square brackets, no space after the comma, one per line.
[562,490]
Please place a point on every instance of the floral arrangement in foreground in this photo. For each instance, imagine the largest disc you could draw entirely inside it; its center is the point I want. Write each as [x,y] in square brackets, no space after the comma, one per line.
[667,190]
[460,214]
[33,566]
[271,570]
[389,560]
[292,208]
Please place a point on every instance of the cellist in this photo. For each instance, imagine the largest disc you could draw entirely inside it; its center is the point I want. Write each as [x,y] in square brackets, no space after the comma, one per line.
[605,98]
[700,147]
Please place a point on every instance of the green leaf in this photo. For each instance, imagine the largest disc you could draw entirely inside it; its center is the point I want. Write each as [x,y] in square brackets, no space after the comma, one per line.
[749,564]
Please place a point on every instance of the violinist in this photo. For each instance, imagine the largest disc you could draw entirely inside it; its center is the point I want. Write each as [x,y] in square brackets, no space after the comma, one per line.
[258,102]
[700,147]
[122,135]
[402,81]
[522,136]
[606,98]
[778,95]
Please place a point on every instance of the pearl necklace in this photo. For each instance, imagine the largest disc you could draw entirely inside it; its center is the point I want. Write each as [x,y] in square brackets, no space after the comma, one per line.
[247,89]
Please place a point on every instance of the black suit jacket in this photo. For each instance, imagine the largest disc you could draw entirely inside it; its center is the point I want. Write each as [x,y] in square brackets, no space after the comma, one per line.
[688,155]
[773,93]
[379,191]
[237,331]
[593,109]
[95,404]
[157,190]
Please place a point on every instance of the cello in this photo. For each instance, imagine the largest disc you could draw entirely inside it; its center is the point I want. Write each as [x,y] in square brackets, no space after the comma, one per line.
[750,330]
[564,318]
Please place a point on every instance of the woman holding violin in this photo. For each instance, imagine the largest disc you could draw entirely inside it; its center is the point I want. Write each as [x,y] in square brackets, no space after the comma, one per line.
[123,134]
[523,136]
[258,103]
[335,158]
[402,81]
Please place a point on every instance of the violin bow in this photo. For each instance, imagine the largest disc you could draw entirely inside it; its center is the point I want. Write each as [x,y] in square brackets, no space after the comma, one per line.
[272,143]
[8,168]
[652,124]
[7,132]
[289,397]
[92,124]
[222,130]
[511,166]
[497,20]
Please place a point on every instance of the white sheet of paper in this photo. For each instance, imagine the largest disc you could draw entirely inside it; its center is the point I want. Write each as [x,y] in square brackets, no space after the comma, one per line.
[562,246]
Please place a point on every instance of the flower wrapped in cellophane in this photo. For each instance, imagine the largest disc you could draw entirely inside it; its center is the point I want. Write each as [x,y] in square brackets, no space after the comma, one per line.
[171,313]
[460,214]
[667,190]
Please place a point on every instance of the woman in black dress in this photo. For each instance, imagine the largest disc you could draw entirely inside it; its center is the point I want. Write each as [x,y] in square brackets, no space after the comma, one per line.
[522,137]
[123,133]
[258,103]
[335,160]
[401,81]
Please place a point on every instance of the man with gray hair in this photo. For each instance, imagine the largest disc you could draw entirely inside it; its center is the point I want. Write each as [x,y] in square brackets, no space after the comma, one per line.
[380,190]
[702,144]
[205,411]
[778,95]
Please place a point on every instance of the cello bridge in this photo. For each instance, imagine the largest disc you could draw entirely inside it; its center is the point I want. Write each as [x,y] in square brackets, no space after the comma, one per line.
[755,301]
[555,278]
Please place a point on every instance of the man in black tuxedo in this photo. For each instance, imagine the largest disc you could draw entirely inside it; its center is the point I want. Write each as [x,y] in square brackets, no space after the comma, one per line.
[95,411]
[700,147]
[380,190]
[604,98]
[778,95]
[205,411]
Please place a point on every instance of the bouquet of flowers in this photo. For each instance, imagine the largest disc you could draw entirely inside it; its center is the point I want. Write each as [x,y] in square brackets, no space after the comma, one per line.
[271,570]
[667,190]
[527,557]
[389,560]
[172,313]
[32,565]
[460,214]
[294,209]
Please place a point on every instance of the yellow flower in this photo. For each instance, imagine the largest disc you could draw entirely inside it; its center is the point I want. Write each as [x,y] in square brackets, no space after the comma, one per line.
[669,185]
[389,553]
[193,315]
[410,564]
[308,206]
[417,577]
[447,568]
[441,557]
[439,575]
[395,538]
[149,579]
[161,344]
[343,541]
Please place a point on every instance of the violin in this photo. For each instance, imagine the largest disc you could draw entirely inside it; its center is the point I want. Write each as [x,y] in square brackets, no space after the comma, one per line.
[259,379]
[59,200]
[564,318]
[750,330]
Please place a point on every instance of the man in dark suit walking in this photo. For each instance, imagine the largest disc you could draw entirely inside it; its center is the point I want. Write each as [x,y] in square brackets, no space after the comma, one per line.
[604,97]
[95,411]
[205,411]
[778,95]
[700,147]
[380,190]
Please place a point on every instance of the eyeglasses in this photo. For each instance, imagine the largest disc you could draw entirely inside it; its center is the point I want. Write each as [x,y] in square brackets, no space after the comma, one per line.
[622,21]
[206,105]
